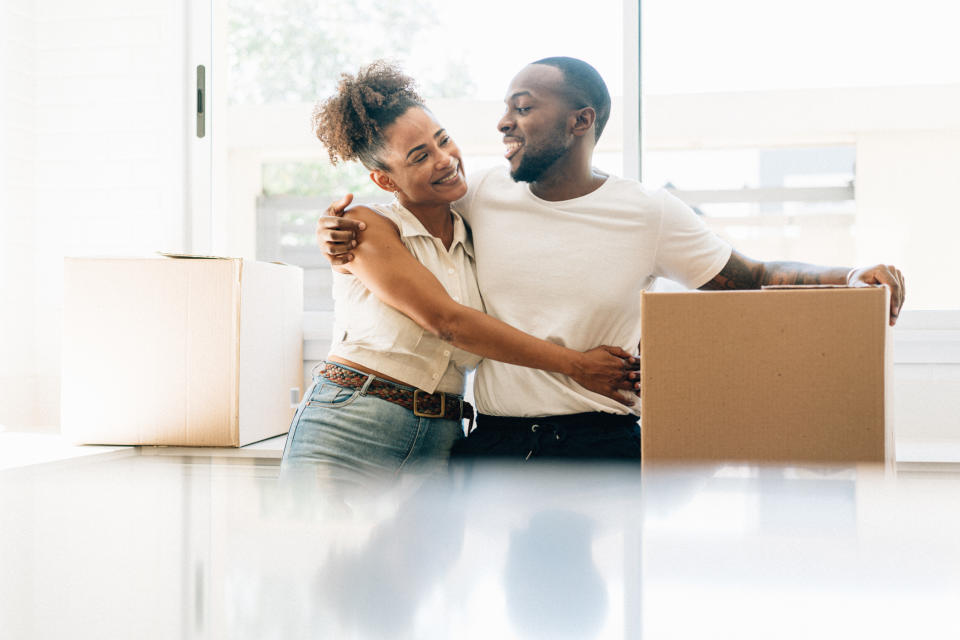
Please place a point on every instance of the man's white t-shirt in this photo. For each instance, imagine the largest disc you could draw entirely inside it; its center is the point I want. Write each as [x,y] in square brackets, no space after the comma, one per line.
[571,272]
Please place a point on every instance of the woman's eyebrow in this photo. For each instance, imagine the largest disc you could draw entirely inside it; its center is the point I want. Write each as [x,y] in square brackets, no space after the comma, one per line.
[421,147]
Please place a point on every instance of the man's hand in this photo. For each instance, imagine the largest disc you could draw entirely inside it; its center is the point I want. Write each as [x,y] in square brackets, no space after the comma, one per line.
[337,235]
[608,371]
[885,274]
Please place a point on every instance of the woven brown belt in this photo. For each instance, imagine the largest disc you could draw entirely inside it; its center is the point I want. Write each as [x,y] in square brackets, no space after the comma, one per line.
[423,404]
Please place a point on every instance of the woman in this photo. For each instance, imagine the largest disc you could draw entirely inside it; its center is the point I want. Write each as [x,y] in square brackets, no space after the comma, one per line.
[409,320]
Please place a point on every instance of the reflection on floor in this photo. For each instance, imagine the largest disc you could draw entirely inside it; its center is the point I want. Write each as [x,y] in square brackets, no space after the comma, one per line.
[164,546]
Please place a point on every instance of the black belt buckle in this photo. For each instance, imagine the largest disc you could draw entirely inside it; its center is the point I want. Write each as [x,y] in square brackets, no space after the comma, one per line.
[421,414]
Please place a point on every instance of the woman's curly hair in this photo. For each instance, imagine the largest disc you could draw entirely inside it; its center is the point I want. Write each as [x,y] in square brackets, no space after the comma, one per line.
[350,123]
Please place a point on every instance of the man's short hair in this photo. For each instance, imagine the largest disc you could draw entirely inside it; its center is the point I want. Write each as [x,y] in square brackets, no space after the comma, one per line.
[585,86]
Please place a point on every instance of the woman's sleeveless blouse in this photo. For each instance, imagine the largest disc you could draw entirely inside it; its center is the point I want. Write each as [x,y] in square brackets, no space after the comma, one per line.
[377,336]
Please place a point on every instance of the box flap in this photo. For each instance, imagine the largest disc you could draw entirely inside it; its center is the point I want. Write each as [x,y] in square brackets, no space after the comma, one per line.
[191,256]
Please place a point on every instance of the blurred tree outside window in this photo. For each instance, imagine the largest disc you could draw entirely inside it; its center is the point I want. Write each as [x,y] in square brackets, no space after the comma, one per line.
[294,52]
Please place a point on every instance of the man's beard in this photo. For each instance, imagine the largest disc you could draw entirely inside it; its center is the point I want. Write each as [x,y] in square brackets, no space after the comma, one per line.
[536,161]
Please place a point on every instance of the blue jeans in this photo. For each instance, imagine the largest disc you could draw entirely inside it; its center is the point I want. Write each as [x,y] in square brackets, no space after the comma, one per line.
[349,440]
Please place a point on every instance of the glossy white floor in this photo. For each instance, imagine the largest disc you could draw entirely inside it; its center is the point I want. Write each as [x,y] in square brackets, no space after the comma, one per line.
[194,547]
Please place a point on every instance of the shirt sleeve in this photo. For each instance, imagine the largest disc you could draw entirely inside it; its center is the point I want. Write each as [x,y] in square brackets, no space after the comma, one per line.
[687,251]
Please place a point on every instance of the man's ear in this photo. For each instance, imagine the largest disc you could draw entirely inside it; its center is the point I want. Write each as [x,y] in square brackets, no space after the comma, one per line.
[584,120]
[383,181]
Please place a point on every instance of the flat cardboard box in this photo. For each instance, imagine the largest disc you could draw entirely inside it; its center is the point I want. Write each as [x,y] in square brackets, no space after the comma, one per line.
[180,350]
[795,375]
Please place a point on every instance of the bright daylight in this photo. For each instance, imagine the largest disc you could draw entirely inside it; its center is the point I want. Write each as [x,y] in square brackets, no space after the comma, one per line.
[425,319]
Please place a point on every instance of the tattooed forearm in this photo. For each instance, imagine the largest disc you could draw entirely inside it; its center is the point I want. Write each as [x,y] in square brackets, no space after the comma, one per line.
[741,272]
[801,273]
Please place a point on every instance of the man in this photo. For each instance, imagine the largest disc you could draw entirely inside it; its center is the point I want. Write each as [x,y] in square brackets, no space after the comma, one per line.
[563,252]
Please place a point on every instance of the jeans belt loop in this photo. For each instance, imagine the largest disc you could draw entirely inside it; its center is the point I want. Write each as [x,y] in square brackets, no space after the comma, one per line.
[366,385]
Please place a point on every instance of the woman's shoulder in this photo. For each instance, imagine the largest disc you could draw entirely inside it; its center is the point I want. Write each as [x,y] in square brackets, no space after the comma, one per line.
[375,216]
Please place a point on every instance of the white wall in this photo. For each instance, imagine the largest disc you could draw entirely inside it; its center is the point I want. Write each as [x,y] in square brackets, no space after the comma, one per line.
[17,208]
[106,134]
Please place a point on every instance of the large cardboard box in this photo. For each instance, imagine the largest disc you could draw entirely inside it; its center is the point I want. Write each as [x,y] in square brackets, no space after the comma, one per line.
[180,350]
[780,375]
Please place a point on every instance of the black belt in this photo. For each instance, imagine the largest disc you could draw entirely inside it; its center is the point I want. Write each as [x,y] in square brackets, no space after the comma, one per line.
[589,420]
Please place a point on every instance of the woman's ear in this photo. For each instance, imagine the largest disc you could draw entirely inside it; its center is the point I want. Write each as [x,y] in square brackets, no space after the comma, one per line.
[383,181]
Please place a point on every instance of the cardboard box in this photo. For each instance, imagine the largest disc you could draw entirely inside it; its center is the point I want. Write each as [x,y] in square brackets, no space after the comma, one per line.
[782,375]
[180,351]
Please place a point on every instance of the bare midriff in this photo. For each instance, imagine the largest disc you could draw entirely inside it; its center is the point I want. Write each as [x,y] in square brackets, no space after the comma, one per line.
[360,367]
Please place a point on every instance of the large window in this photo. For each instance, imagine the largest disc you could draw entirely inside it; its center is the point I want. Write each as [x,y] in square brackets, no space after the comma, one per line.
[798,129]
[826,131]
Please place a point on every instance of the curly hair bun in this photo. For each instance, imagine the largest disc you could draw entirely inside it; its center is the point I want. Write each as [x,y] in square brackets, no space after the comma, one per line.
[350,123]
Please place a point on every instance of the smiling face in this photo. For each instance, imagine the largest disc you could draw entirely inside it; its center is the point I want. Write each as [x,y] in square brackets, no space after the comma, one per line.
[537,123]
[424,164]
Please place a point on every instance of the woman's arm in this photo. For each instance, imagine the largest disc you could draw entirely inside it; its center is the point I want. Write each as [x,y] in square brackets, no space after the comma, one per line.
[398,279]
